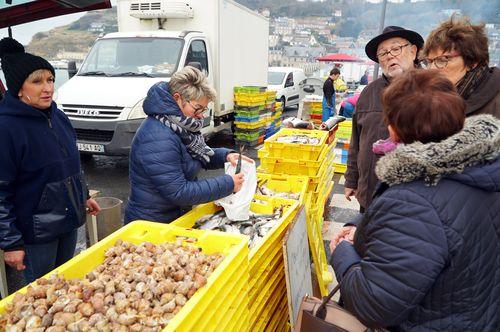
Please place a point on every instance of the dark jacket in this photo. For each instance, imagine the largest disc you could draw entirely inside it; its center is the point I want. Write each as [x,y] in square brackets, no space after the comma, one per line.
[426,255]
[328,89]
[367,127]
[163,175]
[42,193]
[486,98]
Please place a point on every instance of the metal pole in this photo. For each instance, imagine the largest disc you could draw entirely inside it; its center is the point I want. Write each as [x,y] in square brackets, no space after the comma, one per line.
[9,29]
[380,29]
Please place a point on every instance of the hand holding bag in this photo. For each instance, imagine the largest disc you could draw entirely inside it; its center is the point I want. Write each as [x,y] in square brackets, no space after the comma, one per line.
[317,315]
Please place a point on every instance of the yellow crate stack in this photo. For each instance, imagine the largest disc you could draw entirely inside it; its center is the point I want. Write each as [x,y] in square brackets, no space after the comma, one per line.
[266,282]
[315,162]
[255,114]
[312,109]
[343,136]
[221,302]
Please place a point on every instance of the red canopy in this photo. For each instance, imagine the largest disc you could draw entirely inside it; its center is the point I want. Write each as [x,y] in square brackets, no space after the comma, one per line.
[339,57]
[41,9]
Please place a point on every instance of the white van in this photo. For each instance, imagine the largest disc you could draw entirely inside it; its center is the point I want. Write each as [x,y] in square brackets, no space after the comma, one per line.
[287,82]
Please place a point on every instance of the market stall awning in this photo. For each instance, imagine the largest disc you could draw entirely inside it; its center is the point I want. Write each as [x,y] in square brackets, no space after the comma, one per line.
[339,57]
[19,12]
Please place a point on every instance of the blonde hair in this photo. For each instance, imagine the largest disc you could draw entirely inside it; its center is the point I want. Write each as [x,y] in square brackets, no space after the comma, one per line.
[191,84]
[37,75]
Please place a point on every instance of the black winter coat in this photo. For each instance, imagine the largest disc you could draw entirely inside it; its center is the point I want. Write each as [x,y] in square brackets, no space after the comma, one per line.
[426,255]
[42,192]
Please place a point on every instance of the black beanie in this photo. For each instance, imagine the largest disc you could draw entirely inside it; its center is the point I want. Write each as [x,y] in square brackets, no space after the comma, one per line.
[17,65]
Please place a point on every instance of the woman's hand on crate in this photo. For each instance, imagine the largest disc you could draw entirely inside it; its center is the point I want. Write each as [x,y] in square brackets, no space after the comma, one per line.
[238,180]
[15,259]
[348,192]
[233,158]
[346,233]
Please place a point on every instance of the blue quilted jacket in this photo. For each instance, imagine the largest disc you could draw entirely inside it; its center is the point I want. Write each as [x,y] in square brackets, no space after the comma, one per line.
[163,175]
[426,254]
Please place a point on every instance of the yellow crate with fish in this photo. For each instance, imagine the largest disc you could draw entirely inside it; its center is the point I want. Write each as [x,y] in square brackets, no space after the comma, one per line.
[282,186]
[153,252]
[300,144]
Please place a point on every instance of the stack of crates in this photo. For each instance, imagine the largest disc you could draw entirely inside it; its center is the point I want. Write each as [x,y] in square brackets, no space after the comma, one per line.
[314,162]
[266,282]
[312,109]
[343,136]
[253,113]
[221,305]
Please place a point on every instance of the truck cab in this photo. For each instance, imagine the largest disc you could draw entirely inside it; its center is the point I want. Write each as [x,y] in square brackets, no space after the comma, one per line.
[104,99]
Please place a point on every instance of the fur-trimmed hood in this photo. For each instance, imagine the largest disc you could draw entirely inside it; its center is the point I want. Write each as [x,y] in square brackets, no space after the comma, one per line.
[469,156]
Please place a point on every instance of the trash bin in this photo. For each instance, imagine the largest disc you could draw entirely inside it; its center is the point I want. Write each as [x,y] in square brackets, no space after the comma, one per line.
[110,217]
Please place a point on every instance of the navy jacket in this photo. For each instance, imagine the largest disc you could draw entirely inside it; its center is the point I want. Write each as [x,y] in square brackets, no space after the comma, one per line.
[427,257]
[42,192]
[163,175]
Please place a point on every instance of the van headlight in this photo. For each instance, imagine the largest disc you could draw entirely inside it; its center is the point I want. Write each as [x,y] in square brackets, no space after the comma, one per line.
[137,112]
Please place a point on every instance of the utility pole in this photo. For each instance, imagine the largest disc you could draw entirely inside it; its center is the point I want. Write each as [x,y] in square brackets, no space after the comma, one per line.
[380,29]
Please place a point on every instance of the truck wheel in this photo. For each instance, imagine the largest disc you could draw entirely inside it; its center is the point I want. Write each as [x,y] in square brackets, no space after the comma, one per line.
[85,156]
[283,102]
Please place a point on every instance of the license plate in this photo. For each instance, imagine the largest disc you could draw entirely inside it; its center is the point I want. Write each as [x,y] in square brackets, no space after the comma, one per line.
[90,147]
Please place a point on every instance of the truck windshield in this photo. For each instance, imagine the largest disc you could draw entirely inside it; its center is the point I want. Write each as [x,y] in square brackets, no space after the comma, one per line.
[151,57]
[275,78]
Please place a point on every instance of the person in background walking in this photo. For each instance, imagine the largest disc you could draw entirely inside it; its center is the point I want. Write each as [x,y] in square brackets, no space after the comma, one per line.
[329,94]
[43,196]
[426,254]
[459,50]
[364,78]
[168,152]
[396,51]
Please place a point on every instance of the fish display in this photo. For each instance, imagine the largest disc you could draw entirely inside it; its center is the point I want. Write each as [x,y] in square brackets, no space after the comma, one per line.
[256,227]
[298,139]
[262,189]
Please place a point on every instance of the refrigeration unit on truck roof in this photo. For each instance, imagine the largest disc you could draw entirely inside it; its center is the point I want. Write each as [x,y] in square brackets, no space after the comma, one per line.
[161,10]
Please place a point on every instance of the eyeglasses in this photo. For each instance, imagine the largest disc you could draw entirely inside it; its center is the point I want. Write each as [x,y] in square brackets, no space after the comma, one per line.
[394,51]
[439,62]
[197,110]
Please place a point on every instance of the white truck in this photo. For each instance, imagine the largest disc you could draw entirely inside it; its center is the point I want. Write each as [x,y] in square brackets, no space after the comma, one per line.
[155,39]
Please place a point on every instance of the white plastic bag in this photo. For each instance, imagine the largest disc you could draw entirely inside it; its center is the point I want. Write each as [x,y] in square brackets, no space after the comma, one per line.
[237,206]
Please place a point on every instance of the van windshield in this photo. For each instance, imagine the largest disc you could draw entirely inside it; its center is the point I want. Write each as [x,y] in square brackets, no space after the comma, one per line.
[275,78]
[155,57]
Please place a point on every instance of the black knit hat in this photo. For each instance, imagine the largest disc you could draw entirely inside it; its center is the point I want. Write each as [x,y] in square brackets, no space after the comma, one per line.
[17,65]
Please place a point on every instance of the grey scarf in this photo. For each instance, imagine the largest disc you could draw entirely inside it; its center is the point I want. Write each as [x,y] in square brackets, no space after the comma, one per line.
[188,129]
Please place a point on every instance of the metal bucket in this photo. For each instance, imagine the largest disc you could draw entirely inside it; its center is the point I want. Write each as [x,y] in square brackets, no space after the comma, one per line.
[110,217]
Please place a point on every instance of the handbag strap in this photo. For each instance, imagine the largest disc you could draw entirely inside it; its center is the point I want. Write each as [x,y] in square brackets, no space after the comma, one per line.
[321,312]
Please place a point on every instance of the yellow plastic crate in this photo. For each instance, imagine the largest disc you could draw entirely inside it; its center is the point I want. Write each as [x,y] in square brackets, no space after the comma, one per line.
[317,248]
[251,125]
[296,151]
[285,184]
[345,124]
[278,317]
[268,309]
[340,168]
[234,265]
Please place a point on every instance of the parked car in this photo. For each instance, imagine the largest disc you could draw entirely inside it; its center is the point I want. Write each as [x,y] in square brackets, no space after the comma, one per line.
[287,82]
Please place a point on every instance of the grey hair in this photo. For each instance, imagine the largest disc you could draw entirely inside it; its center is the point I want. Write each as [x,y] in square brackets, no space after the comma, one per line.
[191,84]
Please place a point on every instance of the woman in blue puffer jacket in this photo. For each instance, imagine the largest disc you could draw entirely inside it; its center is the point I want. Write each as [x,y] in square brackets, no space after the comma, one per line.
[168,151]
[426,254]
[42,193]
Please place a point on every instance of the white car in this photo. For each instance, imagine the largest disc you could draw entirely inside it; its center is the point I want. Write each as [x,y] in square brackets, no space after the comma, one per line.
[288,83]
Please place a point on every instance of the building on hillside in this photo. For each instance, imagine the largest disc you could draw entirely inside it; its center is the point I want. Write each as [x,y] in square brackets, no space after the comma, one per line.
[275,58]
[274,40]
[283,25]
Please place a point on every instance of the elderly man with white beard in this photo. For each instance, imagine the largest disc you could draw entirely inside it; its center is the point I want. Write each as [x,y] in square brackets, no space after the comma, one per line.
[396,51]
